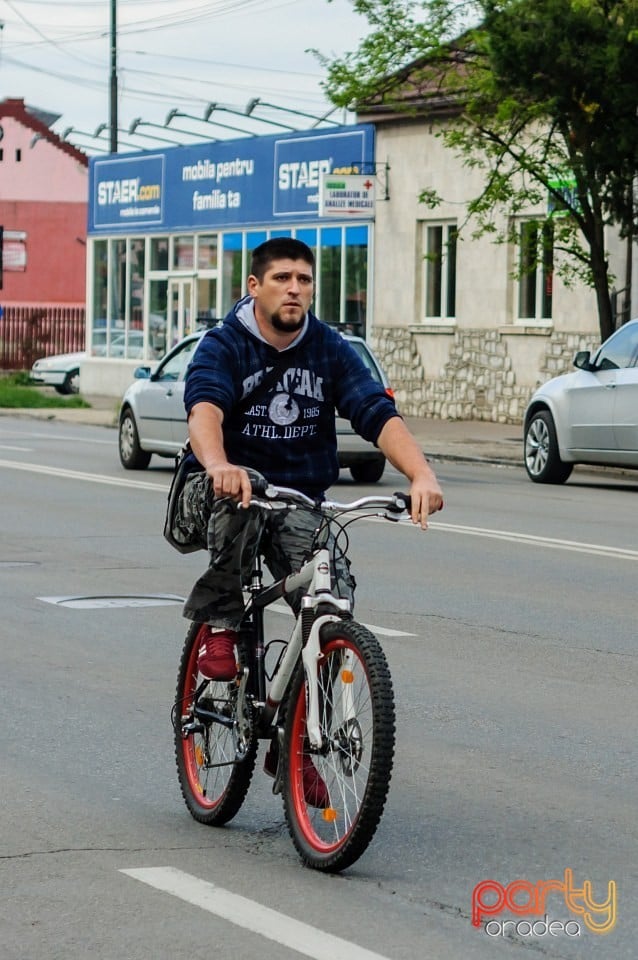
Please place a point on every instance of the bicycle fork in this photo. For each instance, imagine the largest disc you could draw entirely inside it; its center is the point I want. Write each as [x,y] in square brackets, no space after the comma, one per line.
[315,575]
[307,636]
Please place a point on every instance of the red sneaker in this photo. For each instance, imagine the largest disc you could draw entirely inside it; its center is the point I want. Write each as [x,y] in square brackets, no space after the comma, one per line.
[315,791]
[216,659]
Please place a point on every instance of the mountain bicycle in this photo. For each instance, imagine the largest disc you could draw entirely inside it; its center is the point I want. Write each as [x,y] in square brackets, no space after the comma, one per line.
[326,705]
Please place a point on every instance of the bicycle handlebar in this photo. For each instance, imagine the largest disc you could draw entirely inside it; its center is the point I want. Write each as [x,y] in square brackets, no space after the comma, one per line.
[393,506]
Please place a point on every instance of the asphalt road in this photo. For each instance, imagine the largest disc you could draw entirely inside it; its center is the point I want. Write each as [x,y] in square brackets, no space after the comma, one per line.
[510,631]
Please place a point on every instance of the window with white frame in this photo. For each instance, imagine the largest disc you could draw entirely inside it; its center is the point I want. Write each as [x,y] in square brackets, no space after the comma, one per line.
[440,271]
[535,269]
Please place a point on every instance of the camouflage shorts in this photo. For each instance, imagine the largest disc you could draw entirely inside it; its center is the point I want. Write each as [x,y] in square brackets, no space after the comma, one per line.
[233,537]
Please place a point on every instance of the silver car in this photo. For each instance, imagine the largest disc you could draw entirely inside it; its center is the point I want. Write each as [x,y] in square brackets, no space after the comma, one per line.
[153,420]
[590,416]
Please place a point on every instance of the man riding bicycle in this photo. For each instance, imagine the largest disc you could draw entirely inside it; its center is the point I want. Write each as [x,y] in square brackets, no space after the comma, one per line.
[261,393]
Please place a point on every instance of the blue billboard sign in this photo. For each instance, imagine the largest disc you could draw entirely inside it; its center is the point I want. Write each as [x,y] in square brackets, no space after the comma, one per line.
[260,180]
[128,191]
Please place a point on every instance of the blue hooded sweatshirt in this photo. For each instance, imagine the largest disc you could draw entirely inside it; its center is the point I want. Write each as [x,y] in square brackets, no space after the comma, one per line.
[287,431]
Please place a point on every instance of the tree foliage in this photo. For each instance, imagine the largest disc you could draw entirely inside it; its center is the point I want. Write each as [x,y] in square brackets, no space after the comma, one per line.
[546,94]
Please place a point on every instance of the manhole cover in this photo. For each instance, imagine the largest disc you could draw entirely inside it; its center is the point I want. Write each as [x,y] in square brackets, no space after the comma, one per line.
[94,603]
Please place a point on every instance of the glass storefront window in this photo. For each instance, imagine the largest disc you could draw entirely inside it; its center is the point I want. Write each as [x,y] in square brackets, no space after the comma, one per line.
[329,286]
[190,280]
[183,253]
[309,237]
[100,288]
[356,280]
[207,252]
[232,279]
[117,300]
[206,301]
[157,316]
[253,240]
[136,274]
[159,253]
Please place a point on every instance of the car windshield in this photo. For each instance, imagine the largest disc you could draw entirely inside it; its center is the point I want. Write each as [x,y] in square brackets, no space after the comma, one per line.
[619,351]
[175,365]
[363,352]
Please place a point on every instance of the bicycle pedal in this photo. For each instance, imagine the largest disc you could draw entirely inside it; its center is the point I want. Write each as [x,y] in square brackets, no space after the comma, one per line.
[190,728]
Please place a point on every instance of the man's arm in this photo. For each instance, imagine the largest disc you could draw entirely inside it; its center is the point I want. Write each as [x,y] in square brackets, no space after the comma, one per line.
[207,440]
[404,453]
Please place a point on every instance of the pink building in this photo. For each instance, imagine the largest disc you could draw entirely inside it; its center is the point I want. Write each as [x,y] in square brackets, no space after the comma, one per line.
[43,211]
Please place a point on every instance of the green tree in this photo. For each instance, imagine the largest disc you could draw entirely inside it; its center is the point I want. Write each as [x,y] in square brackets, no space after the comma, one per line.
[546,98]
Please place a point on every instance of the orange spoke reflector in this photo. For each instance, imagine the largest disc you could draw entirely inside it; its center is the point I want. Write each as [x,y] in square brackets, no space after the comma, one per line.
[329,814]
[347,676]
[199,756]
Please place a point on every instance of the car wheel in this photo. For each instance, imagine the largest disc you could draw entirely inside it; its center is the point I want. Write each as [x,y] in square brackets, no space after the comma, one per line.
[542,459]
[132,457]
[367,471]
[71,383]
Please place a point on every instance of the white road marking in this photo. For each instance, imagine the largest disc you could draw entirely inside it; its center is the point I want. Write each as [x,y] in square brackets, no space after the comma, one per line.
[526,539]
[78,475]
[382,631]
[387,632]
[5,446]
[250,915]
[56,437]
[575,546]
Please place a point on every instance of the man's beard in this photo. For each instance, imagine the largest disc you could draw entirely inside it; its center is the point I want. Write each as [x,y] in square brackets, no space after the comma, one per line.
[289,326]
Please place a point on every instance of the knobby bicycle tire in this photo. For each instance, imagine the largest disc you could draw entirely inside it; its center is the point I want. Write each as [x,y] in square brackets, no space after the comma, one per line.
[213,783]
[334,799]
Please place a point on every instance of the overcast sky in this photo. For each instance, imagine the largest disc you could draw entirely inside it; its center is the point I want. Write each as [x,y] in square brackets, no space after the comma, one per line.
[171,55]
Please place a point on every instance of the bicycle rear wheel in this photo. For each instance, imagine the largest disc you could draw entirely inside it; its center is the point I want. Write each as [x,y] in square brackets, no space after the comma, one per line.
[334,799]
[214,765]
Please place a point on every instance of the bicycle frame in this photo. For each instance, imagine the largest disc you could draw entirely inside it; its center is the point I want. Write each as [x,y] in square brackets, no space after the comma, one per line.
[315,576]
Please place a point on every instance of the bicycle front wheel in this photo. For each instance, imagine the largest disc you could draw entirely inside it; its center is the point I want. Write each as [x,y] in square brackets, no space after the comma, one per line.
[214,764]
[334,799]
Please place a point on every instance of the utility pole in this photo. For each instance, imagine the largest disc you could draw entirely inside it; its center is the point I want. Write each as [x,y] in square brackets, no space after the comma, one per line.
[113,85]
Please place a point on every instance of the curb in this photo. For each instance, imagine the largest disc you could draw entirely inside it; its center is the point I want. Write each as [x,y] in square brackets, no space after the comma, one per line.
[468,458]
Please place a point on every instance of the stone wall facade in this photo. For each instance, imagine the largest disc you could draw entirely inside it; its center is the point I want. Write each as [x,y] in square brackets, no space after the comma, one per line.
[477,382]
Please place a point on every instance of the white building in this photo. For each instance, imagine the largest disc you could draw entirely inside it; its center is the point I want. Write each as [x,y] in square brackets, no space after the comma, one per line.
[459,336]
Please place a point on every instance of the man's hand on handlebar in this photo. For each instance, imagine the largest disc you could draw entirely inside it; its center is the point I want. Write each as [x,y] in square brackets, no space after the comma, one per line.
[426,498]
[230,481]
[404,453]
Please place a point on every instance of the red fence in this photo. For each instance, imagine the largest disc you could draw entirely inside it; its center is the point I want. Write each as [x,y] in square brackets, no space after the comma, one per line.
[27,333]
